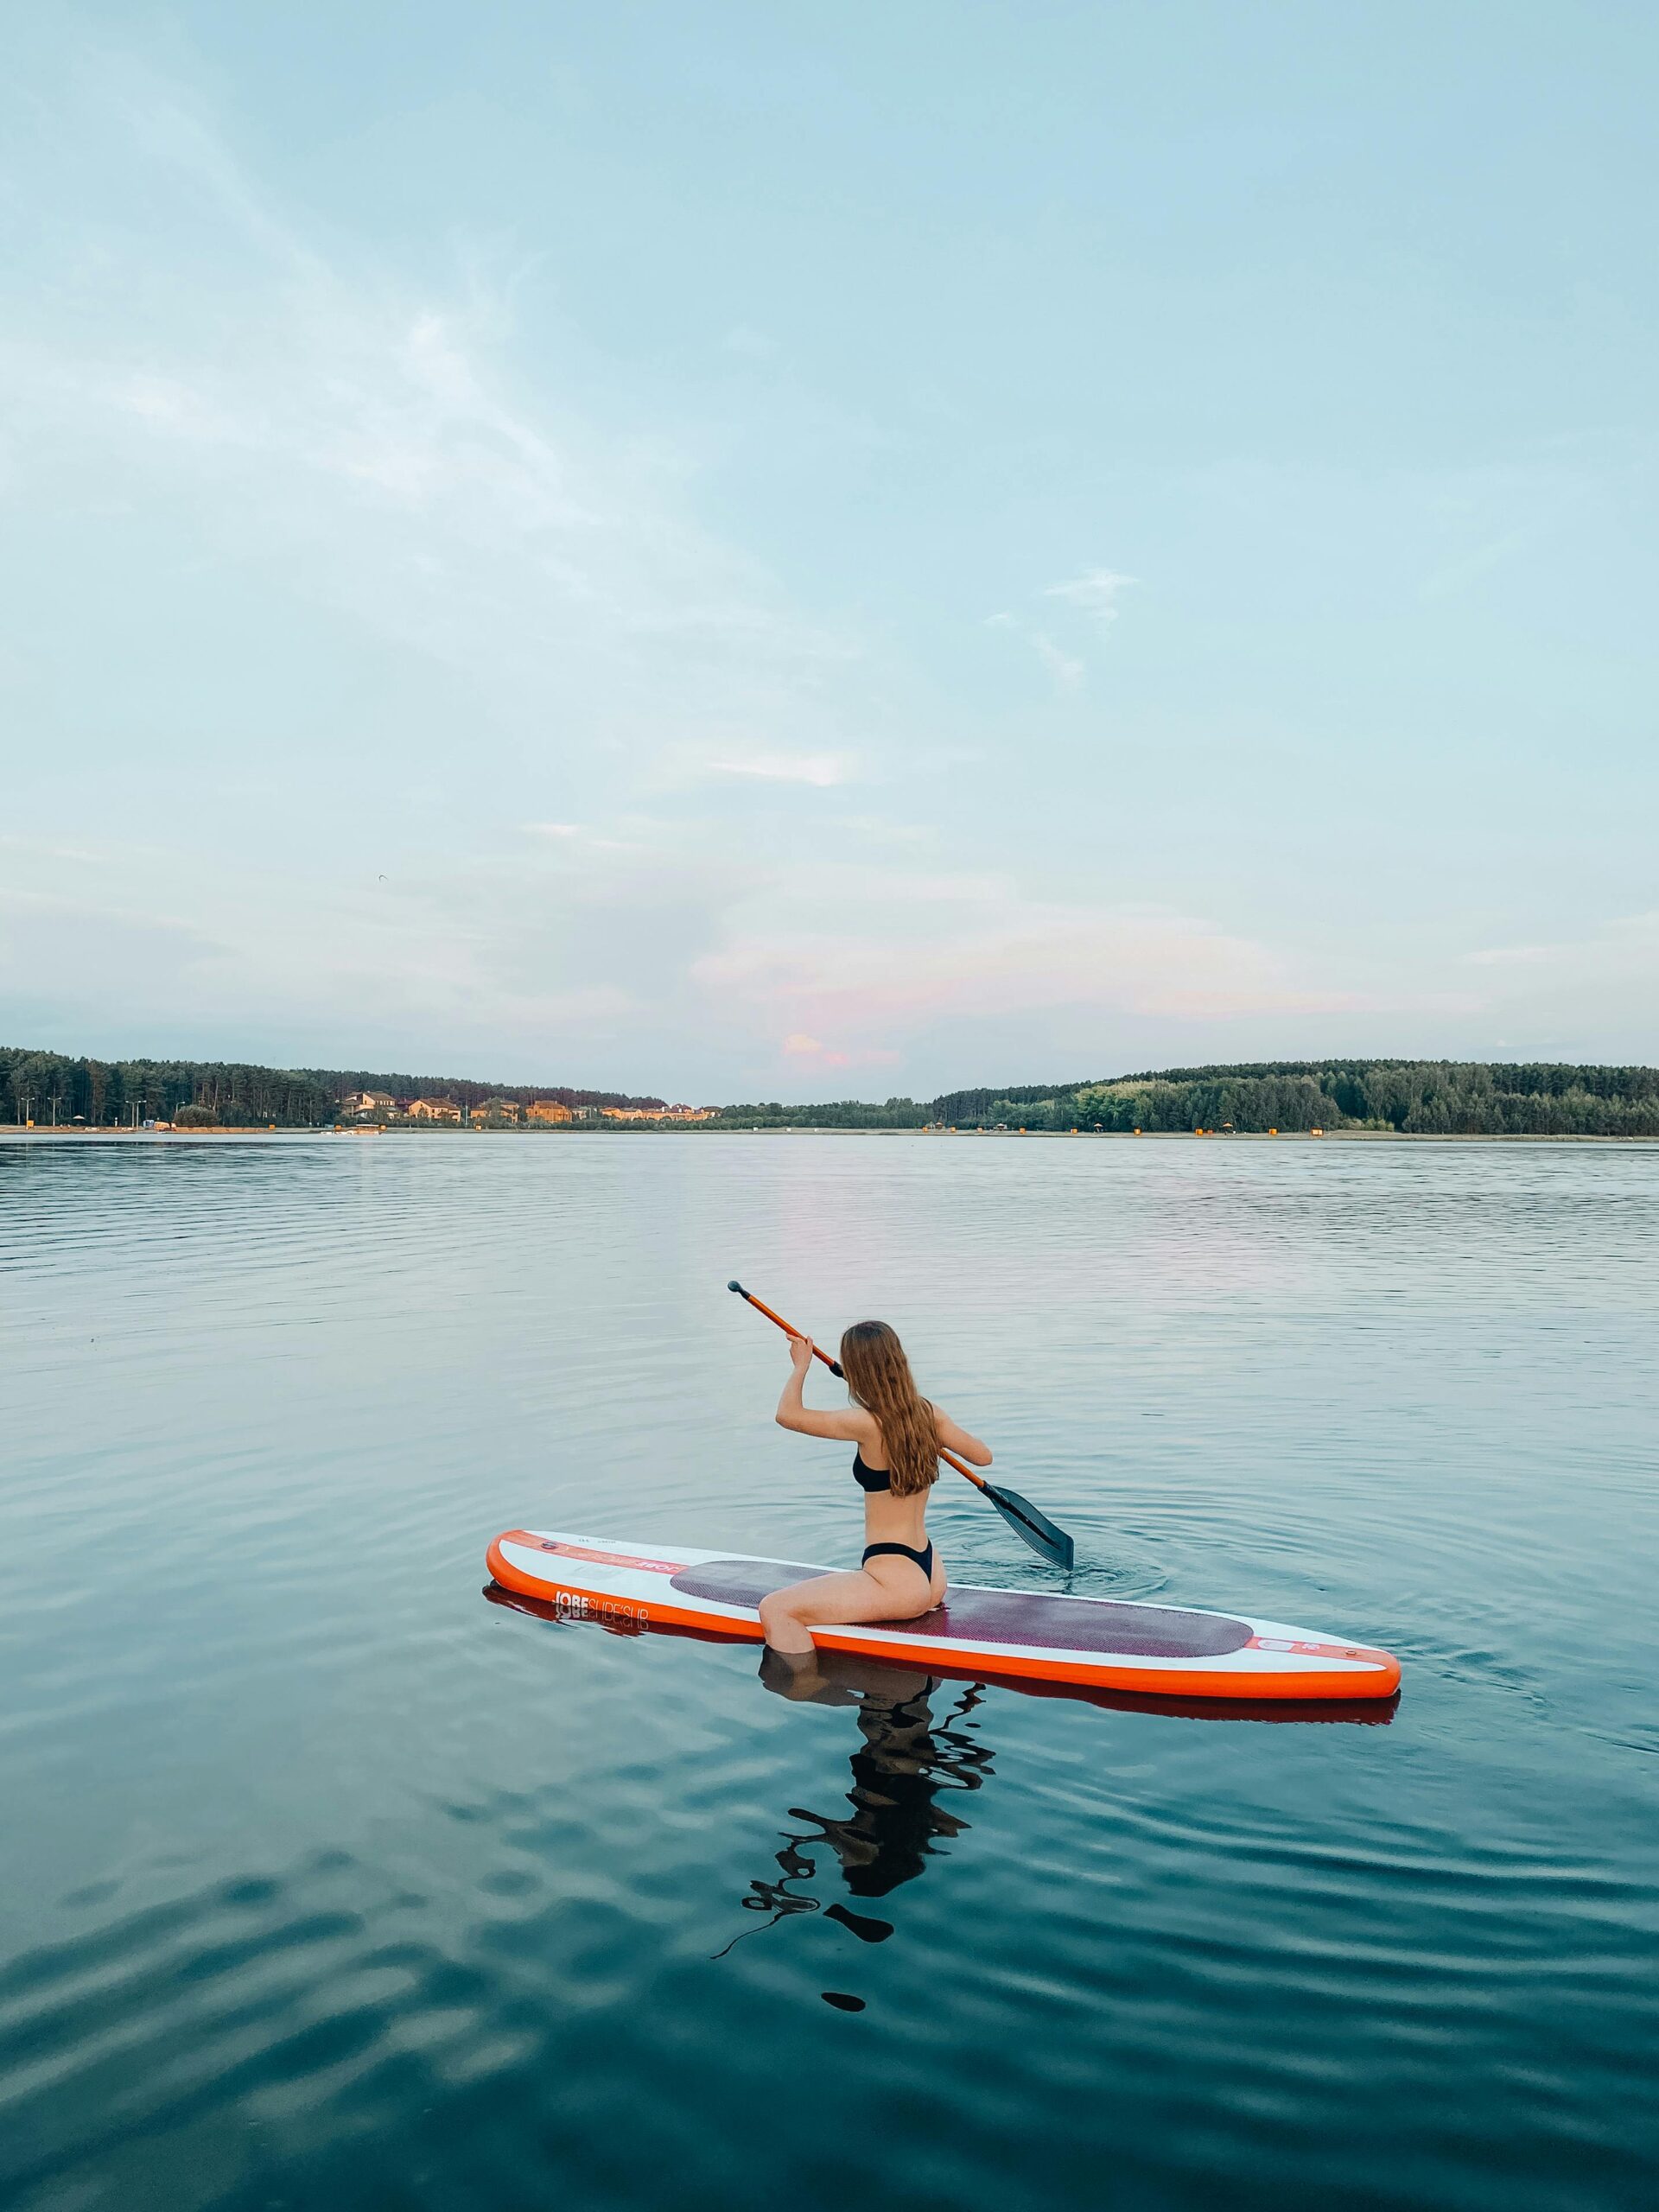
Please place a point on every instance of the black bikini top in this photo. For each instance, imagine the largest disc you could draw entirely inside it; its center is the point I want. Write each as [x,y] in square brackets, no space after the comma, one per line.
[870,1478]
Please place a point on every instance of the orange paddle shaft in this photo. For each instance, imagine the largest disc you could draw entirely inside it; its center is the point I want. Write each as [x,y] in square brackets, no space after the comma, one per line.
[834,1366]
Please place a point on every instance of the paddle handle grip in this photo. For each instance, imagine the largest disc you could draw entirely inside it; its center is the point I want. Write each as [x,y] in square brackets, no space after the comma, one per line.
[788,1327]
[835,1368]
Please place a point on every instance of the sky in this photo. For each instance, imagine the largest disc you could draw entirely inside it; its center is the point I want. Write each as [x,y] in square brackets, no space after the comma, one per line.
[755,552]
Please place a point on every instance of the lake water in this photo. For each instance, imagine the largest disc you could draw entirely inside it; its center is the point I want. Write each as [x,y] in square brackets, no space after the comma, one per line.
[325,1882]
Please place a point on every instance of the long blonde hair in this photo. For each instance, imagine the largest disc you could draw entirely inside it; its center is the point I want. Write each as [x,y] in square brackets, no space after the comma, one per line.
[879,1379]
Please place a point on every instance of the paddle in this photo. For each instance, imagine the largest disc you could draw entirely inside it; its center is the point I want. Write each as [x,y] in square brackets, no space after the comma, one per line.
[1040,1532]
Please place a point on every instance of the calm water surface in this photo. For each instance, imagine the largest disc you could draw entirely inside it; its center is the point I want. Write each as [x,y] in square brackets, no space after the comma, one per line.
[327,1883]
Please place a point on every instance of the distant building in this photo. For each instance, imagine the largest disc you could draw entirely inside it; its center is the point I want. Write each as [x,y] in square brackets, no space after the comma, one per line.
[434,1109]
[658,1113]
[549,1109]
[371,1102]
[496,1109]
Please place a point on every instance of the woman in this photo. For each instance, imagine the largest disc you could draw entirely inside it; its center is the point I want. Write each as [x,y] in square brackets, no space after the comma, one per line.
[898,1436]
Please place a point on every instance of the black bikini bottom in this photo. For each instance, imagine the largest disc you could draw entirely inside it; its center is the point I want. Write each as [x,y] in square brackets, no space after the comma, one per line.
[924,1559]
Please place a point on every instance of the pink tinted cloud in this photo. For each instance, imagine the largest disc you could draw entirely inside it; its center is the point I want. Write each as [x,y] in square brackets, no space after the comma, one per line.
[813,1052]
[1009,956]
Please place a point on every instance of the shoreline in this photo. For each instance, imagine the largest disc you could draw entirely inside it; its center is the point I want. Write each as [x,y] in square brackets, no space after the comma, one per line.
[13,1133]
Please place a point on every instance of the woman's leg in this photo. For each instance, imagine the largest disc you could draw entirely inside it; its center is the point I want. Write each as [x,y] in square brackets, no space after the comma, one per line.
[894,1590]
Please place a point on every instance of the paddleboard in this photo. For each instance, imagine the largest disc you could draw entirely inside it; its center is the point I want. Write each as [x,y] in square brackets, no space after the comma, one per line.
[1108,1643]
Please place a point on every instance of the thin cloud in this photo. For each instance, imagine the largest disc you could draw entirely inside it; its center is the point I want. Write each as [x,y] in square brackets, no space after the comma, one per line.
[578,833]
[1066,669]
[1629,942]
[1094,594]
[821,770]
[1514,956]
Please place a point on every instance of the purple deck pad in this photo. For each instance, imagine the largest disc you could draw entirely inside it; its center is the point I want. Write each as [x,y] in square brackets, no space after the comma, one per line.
[1027,1616]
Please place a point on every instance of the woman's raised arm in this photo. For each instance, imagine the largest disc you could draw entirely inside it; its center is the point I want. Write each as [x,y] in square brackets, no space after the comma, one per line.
[852,1426]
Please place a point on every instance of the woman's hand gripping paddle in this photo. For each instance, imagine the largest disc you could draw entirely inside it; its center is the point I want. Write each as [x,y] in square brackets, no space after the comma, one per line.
[1046,1539]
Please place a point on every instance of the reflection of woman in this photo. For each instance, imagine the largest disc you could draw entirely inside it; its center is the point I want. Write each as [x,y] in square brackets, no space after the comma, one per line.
[903,1769]
[900,1774]
[898,1435]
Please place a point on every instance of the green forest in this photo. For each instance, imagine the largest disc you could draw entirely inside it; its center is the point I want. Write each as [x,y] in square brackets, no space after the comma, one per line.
[833,1114]
[51,1089]
[1407,1097]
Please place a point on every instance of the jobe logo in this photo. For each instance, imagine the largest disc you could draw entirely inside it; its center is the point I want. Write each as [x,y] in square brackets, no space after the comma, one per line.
[579,1606]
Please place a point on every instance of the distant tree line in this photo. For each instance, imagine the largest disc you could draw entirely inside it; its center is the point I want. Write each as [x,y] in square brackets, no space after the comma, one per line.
[48,1087]
[51,1087]
[835,1113]
[1413,1097]
[959,1106]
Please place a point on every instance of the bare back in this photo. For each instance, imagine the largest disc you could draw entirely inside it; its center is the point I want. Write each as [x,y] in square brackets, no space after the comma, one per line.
[894,1520]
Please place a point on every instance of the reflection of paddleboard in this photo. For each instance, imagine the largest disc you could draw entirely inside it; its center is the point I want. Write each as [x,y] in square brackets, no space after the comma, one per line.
[1034,1635]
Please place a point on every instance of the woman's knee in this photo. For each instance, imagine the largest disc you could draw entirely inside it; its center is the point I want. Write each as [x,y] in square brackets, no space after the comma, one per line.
[774,1610]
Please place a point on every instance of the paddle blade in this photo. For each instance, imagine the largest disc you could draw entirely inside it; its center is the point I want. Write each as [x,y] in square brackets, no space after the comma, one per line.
[1040,1532]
